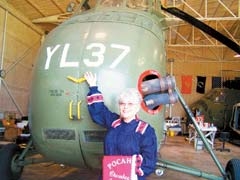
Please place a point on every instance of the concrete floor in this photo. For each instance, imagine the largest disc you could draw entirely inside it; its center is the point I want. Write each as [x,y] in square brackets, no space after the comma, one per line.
[175,149]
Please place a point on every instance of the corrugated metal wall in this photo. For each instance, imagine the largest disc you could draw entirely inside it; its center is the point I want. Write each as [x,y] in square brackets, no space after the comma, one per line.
[19,44]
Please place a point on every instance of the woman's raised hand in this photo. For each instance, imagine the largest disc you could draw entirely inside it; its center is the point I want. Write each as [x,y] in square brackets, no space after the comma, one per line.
[91,78]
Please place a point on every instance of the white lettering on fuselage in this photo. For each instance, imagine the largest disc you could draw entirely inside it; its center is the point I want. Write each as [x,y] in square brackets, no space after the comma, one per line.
[96,59]
[49,55]
[98,53]
[125,51]
[63,62]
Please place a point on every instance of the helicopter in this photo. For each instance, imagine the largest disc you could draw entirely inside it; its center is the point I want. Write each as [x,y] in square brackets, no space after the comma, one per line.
[217,106]
[220,106]
[122,41]
[234,124]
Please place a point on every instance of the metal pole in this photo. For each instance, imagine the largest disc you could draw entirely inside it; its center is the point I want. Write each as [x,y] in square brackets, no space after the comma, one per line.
[13,99]
[188,170]
[3,42]
[200,133]
[171,74]
[238,8]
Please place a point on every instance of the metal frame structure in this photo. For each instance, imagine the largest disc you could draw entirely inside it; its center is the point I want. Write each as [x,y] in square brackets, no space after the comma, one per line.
[217,22]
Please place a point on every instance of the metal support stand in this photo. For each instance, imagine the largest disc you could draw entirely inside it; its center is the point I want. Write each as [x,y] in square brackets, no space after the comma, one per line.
[200,133]
[21,160]
[189,170]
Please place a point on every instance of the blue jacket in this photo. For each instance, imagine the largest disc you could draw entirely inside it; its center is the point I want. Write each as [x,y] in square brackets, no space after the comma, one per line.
[134,138]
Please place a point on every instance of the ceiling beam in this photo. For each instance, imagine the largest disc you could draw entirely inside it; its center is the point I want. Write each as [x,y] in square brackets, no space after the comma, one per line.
[35,7]
[58,7]
[231,15]
[20,17]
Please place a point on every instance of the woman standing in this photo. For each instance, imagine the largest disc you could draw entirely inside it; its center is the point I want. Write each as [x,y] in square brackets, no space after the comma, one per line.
[127,135]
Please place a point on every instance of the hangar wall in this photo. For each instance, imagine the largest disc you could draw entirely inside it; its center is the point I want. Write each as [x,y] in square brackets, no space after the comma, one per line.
[195,68]
[19,44]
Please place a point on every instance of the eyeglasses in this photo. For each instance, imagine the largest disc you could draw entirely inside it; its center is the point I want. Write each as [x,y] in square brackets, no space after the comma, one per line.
[127,104]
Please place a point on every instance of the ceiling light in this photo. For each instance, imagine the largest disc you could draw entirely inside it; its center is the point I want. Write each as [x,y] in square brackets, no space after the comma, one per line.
[70,7]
